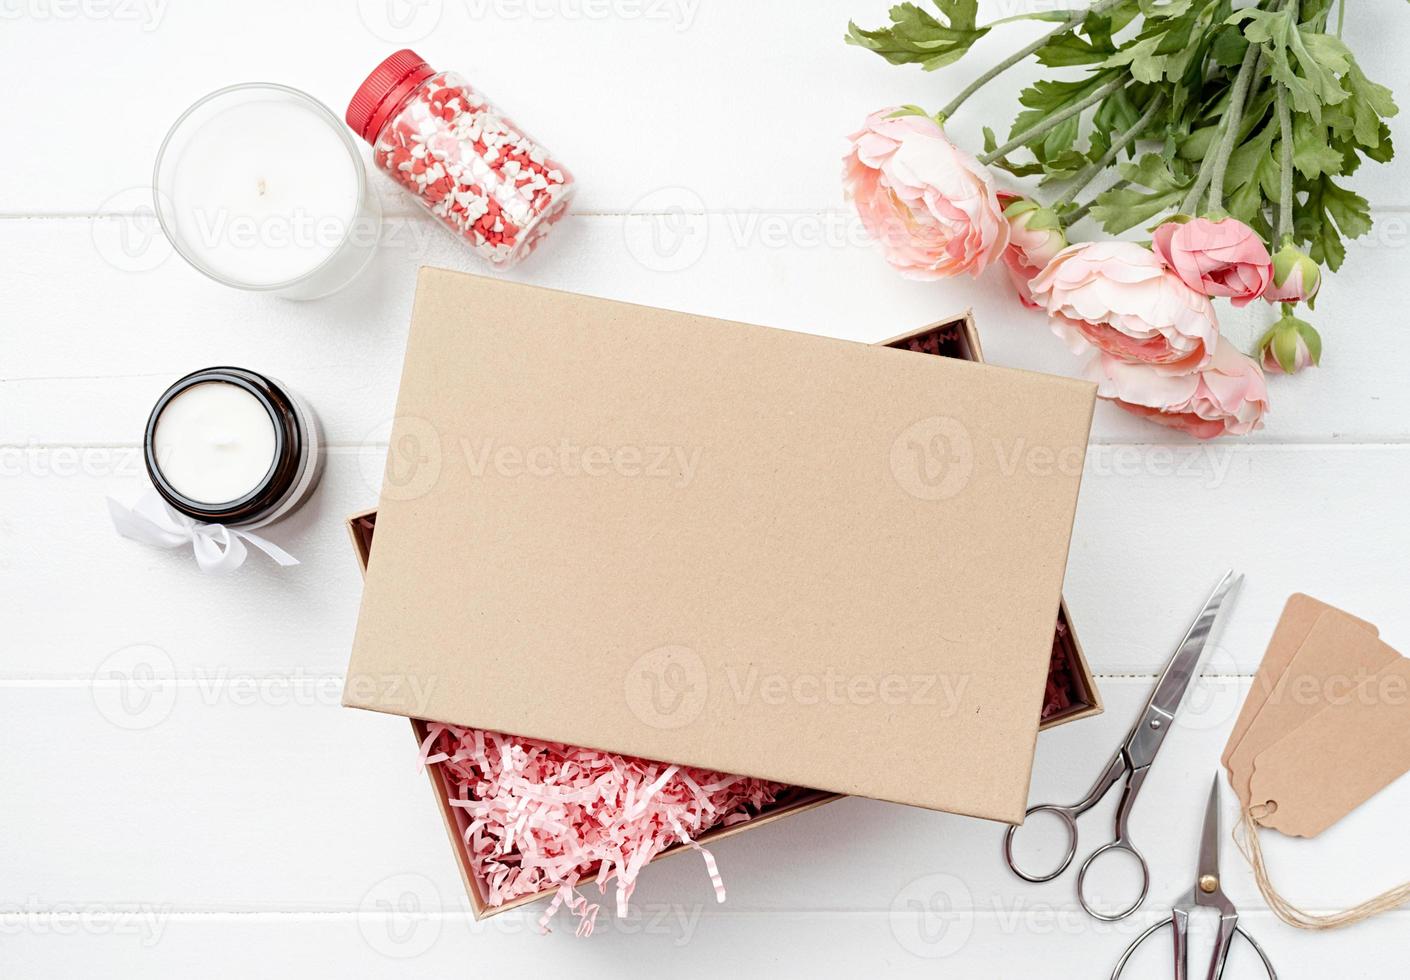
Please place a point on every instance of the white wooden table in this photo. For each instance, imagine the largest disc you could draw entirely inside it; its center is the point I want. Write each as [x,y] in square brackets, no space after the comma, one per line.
[230,817]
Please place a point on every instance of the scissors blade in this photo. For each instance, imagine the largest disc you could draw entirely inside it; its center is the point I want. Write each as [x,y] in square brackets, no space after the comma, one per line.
[1209,889]
[1209,840]
[1183,665]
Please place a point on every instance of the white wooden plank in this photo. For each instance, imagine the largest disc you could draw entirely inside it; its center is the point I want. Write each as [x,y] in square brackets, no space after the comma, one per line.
[745,104]
[244,799]
[80,372]
[912,943]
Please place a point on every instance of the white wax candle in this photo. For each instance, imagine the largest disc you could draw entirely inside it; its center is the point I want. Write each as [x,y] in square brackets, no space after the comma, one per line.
[263,189]
[214,442]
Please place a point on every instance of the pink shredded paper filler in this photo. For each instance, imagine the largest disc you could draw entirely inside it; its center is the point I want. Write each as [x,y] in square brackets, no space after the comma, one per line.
[544,815]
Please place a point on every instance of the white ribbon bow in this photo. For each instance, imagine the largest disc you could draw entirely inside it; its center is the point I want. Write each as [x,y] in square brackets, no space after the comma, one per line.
[217,548]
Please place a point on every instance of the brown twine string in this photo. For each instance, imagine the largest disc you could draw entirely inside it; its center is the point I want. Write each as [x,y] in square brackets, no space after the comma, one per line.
[1246,837]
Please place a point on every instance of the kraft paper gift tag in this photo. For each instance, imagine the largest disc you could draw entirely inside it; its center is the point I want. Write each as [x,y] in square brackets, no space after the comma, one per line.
[1338,654]
[1321,771]
[1299,615]
[1338,759]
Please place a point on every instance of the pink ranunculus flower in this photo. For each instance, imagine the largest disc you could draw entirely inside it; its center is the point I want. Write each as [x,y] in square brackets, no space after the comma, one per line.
[1296,278]
[1217,258]
[1035,236]
[931,205]
[1229,396]
[1117,297]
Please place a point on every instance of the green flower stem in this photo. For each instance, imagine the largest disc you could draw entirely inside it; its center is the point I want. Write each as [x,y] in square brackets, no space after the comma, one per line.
[1117,145]
[1057,119]
[1206,167]
[1285,177]
[1206,170]
[1233,116]
[1320,23]
[1082,212]
[1076,17]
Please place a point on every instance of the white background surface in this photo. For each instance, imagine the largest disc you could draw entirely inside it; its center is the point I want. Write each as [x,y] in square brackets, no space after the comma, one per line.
[233,818]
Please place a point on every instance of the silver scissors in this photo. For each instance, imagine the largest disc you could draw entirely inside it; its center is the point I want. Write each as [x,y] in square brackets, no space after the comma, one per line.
[1133,759]
[1209,894]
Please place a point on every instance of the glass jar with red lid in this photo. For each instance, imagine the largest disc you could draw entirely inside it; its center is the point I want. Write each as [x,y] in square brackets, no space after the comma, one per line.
[465,162]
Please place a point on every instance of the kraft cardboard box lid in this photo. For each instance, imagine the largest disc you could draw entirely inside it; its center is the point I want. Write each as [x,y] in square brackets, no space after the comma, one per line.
[721,545]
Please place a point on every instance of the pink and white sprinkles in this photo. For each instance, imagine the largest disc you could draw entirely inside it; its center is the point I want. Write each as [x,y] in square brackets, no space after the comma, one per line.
[547,815]
[474,169]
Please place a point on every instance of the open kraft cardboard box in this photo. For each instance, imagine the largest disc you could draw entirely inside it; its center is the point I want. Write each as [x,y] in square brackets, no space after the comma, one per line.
[954,337]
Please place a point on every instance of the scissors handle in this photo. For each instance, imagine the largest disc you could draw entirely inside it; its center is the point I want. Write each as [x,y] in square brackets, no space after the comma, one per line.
[1115,769]
[1181,950]
[1068,816]
[1227,926]
[1123,846]
[1120,843]
[1119,766]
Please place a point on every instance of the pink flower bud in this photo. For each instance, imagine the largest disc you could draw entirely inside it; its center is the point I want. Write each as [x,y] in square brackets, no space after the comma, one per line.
[1035,236]
[1296,278]
[1290,345]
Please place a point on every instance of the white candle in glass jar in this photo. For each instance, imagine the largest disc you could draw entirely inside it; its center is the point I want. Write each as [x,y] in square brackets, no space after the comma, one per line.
[214,442]
[261,187]
[230,446]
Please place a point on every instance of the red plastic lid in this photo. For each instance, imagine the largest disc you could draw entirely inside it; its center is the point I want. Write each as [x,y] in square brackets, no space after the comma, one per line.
[383,91]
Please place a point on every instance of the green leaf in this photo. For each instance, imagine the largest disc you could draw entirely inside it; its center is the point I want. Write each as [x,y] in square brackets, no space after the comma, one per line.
[1062,166]
[917,37]
[1049,95]
[1059,140]
[1198,143]
[1165,8]
[1116,113]
[1313,154]
[1045,98]
[1070,49]
[1053,16]
[1229,47]
[1329,53]
[1370,103]
[1331,213]
[1347,208]
[1384,150]
[1122,208]
[1171,43]
[1252,177]
[1018,170]
[1144,59]
[1120,16]
[1357,126]
[1306,62]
